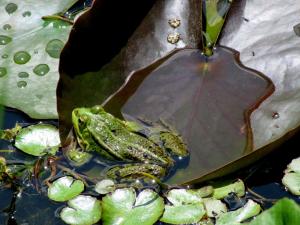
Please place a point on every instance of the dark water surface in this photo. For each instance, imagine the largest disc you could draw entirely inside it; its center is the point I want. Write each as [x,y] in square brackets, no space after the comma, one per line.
[28,207]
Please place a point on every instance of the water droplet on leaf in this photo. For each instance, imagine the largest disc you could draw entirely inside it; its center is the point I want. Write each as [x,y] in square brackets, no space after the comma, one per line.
[4,40]
[6,27]
[54,48]
[26,14]
[21,57]
[41,69]
[4,56]
[23,75]
[3,71]
[22,84]
[11,8]
[173,38]
[174,23]
[275,115]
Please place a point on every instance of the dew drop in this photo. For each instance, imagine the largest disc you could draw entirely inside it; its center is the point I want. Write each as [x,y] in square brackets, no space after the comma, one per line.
[22,84]
[4,40]
[26,14]
[3,71]
[21,57]
[4,56]
[11,8]
[54,48]
[275,115]
[173,38]
[41,69]
[23,75]
[6,27]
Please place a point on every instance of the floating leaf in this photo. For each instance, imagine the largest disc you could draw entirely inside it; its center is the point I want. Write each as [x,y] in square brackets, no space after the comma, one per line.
[82,210]
[284,212]
[105,186]
[224,189]
[78,157]
[79,87]
[270,45]
[122,207]
[30,48]
[38,139]
[187,207]
[236,217]
[64,189]
[207,105]
[214,207]
[291,178]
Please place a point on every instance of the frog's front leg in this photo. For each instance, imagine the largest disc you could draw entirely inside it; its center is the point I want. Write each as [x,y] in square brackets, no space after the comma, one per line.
[136,171]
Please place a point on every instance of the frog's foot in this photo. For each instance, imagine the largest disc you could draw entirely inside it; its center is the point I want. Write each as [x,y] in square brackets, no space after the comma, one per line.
[136,171]
[174,144]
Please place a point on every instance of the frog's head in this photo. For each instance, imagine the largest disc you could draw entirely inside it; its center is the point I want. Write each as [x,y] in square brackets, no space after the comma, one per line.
[83,115]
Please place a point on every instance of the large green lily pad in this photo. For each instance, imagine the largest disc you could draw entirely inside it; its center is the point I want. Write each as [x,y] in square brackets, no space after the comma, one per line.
[29,54]
[123,207]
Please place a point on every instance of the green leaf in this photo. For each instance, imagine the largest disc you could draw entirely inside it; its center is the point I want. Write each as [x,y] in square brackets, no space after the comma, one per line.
[214,207]
[122,207]
[238,216]
[187,207]
[284,212]
[64,189]
[82,210]
[10,134]
[29,55]
[291,178]
[105,186]
[183,214]
[38,140]
[223,190]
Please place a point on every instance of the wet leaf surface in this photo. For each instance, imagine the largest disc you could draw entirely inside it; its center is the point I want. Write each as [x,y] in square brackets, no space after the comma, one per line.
[86,80]
[82,210]
[206,99]
[30,49]
[123,207]
[38,140]
[64,189]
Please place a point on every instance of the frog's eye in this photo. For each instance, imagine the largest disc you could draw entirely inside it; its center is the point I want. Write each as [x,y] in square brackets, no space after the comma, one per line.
[96,109]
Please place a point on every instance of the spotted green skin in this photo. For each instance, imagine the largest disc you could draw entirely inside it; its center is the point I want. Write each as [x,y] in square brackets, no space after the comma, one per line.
[114,139]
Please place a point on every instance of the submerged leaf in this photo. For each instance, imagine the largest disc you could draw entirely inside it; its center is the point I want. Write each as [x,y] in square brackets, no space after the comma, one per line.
[38,139]
[64,189]
[30,48]
[82,210]
[122,207]
[10,134]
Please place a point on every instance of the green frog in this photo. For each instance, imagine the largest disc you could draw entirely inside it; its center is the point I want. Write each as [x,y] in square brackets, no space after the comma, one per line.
[143,148]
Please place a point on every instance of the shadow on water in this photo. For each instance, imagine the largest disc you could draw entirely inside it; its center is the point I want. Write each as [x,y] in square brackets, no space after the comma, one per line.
[30,207]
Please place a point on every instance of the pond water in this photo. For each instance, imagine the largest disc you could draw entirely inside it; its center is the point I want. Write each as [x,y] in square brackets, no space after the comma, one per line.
[24,205]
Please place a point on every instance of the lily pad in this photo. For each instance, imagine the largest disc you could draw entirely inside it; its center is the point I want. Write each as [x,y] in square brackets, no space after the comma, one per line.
[82,210]
[284,212]
[291,178]
[223,190]
[238,216]
[122,207]
[187,207]
[38,140]
[214,207]
[64,189]
[30,48]
[105,186]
